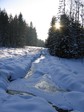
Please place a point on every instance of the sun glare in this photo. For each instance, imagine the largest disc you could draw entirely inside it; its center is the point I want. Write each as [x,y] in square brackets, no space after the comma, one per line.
[58,25]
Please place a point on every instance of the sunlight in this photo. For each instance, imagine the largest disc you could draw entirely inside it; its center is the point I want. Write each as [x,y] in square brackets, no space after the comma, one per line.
[57,25]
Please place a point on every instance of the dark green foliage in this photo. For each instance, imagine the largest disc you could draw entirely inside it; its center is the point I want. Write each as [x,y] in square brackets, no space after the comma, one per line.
[40,43]
[3,27]
[14,31]
[68,41]
[31,35]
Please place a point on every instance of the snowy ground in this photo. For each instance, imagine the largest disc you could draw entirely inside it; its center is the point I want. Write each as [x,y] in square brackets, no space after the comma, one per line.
[33,81]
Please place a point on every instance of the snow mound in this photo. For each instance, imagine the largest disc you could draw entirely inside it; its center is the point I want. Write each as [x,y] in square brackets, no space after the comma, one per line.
[32,80]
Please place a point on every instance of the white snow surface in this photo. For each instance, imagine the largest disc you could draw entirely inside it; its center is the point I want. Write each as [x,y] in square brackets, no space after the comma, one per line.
[31,80]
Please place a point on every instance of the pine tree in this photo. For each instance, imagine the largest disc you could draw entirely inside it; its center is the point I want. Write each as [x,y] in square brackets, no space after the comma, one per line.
[3,28]
[66,42]
[31,35]
[51,36]
[21,30]
[40,43]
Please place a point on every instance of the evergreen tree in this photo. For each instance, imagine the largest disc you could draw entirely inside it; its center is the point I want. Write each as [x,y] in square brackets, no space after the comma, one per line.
[40,43]
[51,36]
[3,28]
[21,30]
[31,35]
[66,42]
[15,32]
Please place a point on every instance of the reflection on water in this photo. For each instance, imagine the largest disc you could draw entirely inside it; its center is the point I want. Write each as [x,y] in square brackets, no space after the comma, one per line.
[39,59]
[32,69]
[46,86]
[30,72]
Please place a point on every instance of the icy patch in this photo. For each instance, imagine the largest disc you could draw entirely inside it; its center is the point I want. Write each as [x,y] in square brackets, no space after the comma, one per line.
[39,59]
[32,69]
[47,85]
[30,72]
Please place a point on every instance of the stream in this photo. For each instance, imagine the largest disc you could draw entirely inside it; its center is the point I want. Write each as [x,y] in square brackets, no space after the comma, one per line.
[44,84]
[31,71]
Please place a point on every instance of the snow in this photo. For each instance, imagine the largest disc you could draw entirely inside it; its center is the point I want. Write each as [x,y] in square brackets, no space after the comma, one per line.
[32,80]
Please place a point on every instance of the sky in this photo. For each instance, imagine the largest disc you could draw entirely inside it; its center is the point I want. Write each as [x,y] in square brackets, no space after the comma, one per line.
[40,12]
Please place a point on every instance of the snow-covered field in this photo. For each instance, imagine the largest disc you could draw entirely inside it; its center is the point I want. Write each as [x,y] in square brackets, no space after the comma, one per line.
[33,81]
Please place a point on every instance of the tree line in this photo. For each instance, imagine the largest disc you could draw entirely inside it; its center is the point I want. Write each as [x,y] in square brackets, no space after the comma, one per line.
[68,41]
[15,32]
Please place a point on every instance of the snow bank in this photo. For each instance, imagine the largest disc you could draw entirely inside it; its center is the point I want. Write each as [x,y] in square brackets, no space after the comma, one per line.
[51,84]
[24,104]
[16,62]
